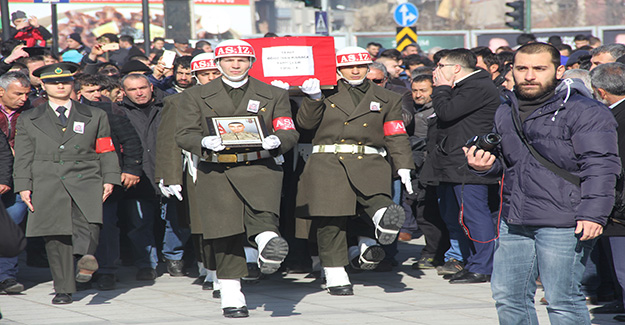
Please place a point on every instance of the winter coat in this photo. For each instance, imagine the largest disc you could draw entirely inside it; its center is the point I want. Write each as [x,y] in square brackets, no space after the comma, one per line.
[464,111]
[147,129]
[330,181]
[577,134]
[61,167]
[614,228]
[224,190]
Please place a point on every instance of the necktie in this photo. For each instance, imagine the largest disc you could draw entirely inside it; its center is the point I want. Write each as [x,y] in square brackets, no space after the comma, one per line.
[61,110]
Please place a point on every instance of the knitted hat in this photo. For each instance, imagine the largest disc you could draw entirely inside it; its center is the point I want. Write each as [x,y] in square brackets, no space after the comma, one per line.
[18,15]
[76,37]
[577,56]
[134,66]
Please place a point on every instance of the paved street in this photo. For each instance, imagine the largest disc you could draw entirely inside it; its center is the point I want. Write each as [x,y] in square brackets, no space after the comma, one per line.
[404,296]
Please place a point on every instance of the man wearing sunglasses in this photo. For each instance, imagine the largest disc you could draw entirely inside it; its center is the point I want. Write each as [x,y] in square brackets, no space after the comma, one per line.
[379,76]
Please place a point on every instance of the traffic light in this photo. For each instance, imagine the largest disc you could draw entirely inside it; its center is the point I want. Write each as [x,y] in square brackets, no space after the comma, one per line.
[313,3]
[517,14]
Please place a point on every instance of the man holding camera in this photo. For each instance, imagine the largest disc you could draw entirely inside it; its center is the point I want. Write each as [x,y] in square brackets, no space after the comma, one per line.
[464,100]
[559,156]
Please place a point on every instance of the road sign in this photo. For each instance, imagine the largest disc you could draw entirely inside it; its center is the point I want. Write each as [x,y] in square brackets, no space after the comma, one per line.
[406,14]
[405,36]
[321,23]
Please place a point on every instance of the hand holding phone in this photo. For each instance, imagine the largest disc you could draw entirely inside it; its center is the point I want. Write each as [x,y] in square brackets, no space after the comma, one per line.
[110,47]
[168,59]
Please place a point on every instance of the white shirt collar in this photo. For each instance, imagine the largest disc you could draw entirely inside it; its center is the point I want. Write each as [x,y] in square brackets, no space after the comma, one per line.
[234,84]
[67,105]
[617,103]
[465,77]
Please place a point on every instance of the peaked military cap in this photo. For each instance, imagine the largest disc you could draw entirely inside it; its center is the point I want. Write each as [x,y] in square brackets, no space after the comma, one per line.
[56,72]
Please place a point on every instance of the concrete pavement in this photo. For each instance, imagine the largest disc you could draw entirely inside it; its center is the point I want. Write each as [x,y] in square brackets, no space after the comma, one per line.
[404,296]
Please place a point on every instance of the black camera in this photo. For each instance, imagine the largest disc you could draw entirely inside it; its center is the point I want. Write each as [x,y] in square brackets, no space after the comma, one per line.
[486,142]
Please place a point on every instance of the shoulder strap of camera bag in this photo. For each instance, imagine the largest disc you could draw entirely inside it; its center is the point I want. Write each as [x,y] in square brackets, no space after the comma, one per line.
[516,120]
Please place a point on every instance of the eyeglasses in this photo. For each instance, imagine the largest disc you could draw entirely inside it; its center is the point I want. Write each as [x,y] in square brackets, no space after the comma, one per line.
[378,81]
[441,65]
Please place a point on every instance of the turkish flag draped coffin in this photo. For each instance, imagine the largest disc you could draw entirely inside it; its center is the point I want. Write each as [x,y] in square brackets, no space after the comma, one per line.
[294,59]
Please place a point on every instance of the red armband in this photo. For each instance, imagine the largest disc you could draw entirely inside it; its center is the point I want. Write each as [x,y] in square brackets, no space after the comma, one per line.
[283,123]
[394,127]
[103,145]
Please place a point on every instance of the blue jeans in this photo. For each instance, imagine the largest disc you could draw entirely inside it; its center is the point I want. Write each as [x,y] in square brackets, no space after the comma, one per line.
[561,256]
[391,250]
[142,214]
[176,237]
[17,211]
[617,243]
[448,206]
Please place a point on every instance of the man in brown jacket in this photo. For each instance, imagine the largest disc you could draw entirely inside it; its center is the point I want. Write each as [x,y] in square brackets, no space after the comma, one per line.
[238,194]
[357,127]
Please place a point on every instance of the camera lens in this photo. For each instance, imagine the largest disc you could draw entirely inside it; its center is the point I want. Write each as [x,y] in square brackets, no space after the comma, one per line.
[493,138]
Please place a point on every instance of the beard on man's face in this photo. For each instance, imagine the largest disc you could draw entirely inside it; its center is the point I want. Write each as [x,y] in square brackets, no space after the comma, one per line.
[526,93]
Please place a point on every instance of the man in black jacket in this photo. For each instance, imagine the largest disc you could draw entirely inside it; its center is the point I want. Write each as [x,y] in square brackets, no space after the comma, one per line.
[87,88]
[464,100]
[608,81]
[143,104]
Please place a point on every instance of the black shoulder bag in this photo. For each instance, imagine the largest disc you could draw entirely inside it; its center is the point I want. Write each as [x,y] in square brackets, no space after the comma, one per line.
[618,212]
[516,119]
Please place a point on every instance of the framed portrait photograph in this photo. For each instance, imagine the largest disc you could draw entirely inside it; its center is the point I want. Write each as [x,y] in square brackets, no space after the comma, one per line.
[239,133]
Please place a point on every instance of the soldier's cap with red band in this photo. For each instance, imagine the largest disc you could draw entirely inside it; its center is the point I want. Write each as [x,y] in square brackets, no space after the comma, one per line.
[203,61]
[234,47]
[352,55]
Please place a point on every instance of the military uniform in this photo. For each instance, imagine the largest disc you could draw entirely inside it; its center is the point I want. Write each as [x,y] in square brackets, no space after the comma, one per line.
[237,197]
[170,161]
[65,168]
[171,165]
[232,136]
[332,184]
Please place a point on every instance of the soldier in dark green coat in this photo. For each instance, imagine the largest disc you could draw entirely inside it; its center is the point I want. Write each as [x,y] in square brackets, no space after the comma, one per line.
[176,169]
[238,195]
[356,129]
[65,167]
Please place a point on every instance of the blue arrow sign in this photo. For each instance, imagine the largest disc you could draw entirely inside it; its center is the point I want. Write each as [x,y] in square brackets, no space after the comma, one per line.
[406,14]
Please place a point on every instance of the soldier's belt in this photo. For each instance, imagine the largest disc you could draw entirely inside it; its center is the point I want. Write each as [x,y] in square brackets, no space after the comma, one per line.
[68,157]
[348,148]
[237,158]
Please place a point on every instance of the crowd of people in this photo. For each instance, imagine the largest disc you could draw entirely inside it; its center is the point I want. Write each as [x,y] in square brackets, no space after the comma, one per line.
[506,162]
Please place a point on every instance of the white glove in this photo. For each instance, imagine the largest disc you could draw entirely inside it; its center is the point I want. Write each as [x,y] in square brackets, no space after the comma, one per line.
[271,142]
[176,190]
[280,84]
[164,189]
[213,143]
[311,88]
[404,174]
